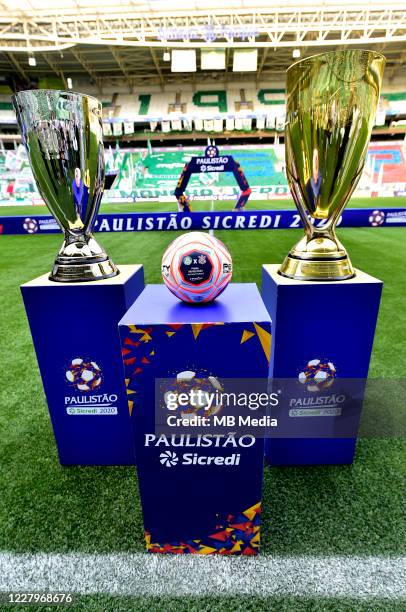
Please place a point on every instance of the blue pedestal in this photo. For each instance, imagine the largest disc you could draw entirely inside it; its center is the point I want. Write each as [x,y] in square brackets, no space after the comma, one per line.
[73,325]
[195,507]
[329,321]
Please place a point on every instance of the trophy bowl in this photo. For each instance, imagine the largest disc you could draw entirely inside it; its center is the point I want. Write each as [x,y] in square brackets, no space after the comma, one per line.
[331,105]
[62,133]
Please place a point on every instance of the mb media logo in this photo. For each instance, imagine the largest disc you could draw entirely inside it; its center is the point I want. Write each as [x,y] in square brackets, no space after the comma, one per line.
[168,458]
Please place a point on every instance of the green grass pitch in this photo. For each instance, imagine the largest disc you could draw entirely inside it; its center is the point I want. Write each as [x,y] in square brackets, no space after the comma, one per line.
[280,204]
[353,510]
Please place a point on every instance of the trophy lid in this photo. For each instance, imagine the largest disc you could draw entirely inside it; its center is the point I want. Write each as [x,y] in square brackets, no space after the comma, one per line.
[54,92]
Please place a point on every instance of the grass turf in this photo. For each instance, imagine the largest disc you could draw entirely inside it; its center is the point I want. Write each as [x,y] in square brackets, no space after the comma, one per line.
[322,510]
[231,604]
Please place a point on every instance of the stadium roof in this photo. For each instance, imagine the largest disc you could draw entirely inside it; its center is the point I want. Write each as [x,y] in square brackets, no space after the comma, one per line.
[110,42]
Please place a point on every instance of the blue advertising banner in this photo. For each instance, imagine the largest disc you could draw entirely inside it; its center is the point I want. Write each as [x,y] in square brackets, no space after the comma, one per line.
[221,220]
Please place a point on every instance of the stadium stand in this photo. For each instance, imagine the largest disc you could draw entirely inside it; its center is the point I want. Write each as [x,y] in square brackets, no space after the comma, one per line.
[152,174]
[208,109]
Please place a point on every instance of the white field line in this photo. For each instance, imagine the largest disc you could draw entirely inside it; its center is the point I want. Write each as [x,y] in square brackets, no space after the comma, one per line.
[148,574]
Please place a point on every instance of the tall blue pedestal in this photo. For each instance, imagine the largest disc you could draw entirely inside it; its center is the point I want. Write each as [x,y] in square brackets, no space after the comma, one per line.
[330,322]
[74,329]
[200,494]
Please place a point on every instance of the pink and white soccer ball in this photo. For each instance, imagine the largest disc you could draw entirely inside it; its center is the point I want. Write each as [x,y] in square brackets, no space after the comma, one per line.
[196,267]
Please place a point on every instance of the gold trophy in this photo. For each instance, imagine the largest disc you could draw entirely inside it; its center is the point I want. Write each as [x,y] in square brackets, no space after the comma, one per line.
[331,105]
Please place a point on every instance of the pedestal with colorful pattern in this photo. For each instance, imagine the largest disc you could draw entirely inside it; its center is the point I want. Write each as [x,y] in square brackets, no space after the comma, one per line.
[190,507]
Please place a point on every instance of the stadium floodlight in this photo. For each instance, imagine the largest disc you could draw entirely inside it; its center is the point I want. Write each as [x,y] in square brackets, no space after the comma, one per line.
[69,83]
[183,60]
[245,60]
[296,53]
[166,56]
[213,59]
[32,61]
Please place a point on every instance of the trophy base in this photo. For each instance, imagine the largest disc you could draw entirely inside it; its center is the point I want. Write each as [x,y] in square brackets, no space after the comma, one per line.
[81,259]
[81,272]
[317,269]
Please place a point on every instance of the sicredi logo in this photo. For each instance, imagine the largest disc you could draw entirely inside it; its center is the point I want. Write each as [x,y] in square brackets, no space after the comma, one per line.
[170,459]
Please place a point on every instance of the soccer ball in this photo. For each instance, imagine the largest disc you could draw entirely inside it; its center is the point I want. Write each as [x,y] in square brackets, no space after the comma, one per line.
[377,217]
[84,375]
[200,403]
[196,267]
[30,225]
[318,374]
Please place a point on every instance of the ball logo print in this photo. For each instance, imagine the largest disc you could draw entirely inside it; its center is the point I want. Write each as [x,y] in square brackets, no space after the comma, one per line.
[196,267]
[201,390]
[168,458]
[30,225]
[376,218]
[84,375]
[212,151]
[317,375]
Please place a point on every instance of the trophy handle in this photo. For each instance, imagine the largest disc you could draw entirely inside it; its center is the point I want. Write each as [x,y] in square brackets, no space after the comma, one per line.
[99,189]
[299,200]
[337,213]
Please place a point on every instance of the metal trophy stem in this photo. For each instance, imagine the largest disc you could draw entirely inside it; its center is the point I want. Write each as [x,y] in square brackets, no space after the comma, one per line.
[331,105]
[62,133]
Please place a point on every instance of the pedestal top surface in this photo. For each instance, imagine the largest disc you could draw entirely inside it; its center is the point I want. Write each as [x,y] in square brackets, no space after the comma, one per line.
[359,278]
[126,271]
[239,303]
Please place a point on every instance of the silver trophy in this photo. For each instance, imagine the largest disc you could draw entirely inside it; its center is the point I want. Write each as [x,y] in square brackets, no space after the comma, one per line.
[62,133]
